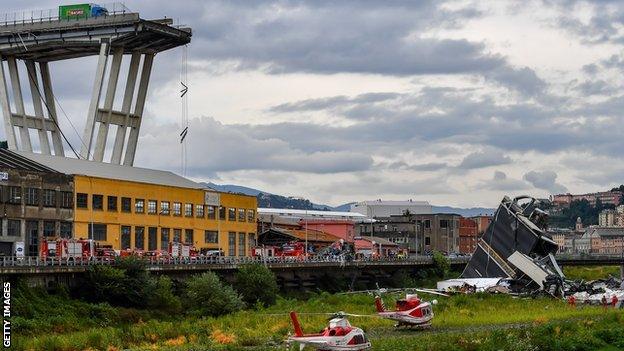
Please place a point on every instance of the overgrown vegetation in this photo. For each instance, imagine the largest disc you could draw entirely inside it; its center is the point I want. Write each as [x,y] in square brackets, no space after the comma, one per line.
[457,320]
[256,284]
[206,295]
[591,272]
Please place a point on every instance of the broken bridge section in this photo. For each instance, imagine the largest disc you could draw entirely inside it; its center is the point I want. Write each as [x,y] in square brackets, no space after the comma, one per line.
[516,246]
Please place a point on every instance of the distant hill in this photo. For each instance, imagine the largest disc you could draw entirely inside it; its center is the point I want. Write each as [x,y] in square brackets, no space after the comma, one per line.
[269,200]
[466,212]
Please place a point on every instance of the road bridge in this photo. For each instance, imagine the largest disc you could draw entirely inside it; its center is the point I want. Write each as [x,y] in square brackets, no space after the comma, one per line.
[291,272]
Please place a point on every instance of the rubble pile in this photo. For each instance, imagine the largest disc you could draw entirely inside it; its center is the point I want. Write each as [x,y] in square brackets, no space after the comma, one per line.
[516,256]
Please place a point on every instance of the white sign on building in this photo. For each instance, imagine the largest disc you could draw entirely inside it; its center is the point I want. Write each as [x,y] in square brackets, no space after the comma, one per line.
[212,199]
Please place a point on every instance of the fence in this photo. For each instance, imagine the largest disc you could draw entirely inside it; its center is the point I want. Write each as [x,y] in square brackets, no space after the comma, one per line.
[52,15]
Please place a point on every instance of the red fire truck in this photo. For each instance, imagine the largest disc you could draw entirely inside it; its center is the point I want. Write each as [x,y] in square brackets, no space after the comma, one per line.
[181,250]
[68,248]
[294,249]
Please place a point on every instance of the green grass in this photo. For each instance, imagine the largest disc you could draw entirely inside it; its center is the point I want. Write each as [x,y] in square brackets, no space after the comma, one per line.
[267,328]
[591,272]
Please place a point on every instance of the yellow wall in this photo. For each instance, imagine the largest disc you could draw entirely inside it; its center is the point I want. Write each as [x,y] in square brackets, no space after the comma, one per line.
[114,220]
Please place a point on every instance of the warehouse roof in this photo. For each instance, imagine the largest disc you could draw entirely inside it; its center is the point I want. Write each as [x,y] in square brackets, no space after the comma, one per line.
[12,160]
[310,213]
[106,170]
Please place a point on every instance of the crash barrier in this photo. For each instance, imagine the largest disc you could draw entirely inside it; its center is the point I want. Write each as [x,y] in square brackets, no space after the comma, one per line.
[13,261]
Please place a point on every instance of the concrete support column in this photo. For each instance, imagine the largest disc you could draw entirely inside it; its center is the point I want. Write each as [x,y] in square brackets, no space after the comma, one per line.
[19,104]
[57,142]
[148,59]
[36,98]
[87,136]
[100,144]
[120,138]
[6,110]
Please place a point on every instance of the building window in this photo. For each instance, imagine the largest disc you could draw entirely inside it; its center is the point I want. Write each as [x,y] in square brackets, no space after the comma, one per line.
[125,237]
[251,240]
[164,239]
[48,228]
[231,214]
[152,238]
[97,232]
[231,244]
[188,236]
[49,198]
[67,198]
[164,208]
[139,206]
[211,237]
[241,214]
[81,200]
[188,210]
[139,238]
[210,212]
[241,244]
[199,211]
[97,202]
[444,223]
[126,204]
[251,216]
[427,240]
[177,209]
[66,230]
[111,203]
[14,227]
[221,212]
[152,205]
[15,195]
[177,235]
[32,196]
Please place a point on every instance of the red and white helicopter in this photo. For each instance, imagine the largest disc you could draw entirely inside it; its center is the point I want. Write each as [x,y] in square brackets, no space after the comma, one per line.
[338,336]
[409,312]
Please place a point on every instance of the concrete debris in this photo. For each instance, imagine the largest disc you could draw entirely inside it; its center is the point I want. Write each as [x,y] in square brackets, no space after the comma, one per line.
[516,246]
[516,256]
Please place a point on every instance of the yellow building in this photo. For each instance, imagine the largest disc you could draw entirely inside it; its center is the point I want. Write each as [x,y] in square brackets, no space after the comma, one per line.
[131,207]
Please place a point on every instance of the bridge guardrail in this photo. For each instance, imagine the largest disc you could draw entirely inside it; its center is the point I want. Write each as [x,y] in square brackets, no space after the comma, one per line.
[35,261]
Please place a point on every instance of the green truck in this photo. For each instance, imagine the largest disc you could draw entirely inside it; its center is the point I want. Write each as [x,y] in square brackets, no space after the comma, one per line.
[79,11]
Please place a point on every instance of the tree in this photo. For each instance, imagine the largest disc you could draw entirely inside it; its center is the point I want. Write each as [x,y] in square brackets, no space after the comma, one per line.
[441,264]
[208,296]
[257,284]
[161,295]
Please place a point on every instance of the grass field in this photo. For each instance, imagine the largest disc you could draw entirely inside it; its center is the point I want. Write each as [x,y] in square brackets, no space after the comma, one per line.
[591,272]
[460,320]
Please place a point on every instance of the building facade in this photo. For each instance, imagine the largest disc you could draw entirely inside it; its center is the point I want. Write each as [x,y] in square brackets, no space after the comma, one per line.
[418,233]
[36,202]
[136,208]
[483,222]
[468,235]
[606,197]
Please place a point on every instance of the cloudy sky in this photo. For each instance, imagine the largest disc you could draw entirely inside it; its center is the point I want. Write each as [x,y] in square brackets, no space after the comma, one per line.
[457,103]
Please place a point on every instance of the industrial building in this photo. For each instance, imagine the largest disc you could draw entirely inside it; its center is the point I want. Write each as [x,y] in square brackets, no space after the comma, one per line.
[420,233]
[379,208]
[124,207]
[37,202]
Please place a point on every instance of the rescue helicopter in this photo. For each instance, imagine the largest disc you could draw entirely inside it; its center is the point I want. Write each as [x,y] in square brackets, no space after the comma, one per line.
[339,335]
[409,312]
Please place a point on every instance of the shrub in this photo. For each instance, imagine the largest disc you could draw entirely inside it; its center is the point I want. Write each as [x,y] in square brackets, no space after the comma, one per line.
[208,296]
[257,284]
[161,295]
[128,284]
[441,264]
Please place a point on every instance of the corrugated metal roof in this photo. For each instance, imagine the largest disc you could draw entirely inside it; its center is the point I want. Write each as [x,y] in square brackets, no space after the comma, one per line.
[309,213]
[9,159]
[111,171]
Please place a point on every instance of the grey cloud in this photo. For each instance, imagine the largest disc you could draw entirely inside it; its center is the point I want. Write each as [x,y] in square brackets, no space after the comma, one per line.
[484,159]
[500,182]
[215,147]
[597,87]
[546,180]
